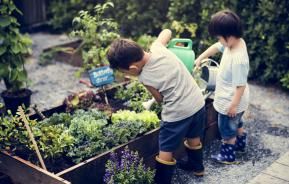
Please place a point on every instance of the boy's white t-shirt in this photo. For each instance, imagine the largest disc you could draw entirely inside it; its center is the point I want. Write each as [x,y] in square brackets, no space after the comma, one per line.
[233,72]
[166,73]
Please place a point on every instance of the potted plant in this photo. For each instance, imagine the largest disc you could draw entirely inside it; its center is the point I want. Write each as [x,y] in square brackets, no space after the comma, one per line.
[13,48]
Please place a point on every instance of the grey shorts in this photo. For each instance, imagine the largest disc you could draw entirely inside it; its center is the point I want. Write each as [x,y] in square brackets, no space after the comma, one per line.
[228,126]
[173,133]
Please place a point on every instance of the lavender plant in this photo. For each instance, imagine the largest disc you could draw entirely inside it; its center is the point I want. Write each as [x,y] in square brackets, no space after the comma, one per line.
[129,169]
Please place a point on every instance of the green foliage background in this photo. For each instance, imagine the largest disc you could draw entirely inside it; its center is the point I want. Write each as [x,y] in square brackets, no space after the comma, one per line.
[265,22]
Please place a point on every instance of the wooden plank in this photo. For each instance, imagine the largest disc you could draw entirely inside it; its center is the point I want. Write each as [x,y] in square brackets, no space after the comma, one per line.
[278,170]
[267,179]
[284,159]
[23,172]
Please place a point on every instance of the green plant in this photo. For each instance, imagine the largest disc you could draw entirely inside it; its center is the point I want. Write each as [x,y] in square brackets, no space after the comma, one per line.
[12,133]
[87,128]
[96,32]
[128,169]
[135,93]
[137,17]
[122,132]
[145,41]
[267,40]
[285,81]
[61,12]
[149,118]
[13,47]
[53,140]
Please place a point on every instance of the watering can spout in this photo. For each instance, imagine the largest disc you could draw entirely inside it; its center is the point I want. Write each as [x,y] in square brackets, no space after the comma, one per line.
[182,48]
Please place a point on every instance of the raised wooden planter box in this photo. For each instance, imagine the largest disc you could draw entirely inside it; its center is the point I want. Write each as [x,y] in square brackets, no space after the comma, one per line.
[91,171]
[74,59]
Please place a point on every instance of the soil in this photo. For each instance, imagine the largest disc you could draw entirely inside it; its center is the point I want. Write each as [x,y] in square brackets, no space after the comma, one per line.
[16,94]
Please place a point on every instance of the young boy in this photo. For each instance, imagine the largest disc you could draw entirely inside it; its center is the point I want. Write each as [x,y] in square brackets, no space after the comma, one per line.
[232,92]
[171,84]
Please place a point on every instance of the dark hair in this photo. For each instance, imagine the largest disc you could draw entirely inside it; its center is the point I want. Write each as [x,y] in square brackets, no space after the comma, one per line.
[225,23]
[123,52]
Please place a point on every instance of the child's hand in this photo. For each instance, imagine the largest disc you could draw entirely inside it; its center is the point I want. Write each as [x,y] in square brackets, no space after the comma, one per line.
[232,110]
[198,63]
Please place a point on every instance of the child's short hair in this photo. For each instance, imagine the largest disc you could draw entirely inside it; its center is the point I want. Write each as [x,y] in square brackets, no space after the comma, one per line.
[225,23]
[123,52]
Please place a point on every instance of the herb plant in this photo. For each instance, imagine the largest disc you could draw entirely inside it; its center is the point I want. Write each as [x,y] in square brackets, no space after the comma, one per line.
[128,169]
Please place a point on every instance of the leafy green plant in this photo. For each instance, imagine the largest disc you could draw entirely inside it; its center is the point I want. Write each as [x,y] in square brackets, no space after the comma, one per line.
[122,132]
[61,12]
[128,169]
[13,135]
[149,118]
[135,93]
[96,32]
[285,81]
[58,118]
[87,128]
[53,140]
[13,48]
[145,41]
[137,17]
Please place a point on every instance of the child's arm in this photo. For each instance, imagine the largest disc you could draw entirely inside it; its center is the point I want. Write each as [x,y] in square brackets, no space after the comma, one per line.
[212,50]
[156,94]
[236,100]
[164,37]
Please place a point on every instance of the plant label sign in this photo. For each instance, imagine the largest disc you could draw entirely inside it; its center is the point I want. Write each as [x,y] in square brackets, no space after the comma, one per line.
[101,76]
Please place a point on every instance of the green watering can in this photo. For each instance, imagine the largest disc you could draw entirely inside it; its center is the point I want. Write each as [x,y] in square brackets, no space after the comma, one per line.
[182,48]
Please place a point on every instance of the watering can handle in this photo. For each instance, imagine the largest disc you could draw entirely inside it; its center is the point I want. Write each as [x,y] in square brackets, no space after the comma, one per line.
[209,61]
[173,43]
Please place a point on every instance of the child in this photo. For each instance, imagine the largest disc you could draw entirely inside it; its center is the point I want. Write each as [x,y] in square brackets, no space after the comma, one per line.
[171,84]
[232,92]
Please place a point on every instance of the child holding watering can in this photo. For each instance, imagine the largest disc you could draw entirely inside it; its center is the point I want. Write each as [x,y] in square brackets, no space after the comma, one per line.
[171,84]
[232,91]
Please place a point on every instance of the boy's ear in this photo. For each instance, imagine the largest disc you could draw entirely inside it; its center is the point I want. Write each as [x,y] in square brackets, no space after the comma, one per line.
[135,69]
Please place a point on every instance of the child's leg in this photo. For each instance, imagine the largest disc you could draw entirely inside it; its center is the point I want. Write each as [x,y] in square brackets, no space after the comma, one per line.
[228,128]
[193,142]
[194,146]
[166,156]
[170,137]
[241,138]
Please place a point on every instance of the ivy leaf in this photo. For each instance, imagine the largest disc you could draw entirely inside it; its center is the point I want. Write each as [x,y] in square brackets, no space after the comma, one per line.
[2,50]
[3,70]
[4,21]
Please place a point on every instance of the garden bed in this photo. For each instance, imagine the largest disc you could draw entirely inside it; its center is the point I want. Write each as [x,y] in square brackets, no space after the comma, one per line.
[92,170]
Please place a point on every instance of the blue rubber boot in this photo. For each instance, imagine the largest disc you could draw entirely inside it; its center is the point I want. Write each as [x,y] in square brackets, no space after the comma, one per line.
[226,155]
[241,141]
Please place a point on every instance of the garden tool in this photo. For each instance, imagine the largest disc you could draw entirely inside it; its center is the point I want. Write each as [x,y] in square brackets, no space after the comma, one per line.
[182,48]
[209,70]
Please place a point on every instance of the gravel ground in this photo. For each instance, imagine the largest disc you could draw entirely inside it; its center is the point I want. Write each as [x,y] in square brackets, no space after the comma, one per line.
[266,120]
